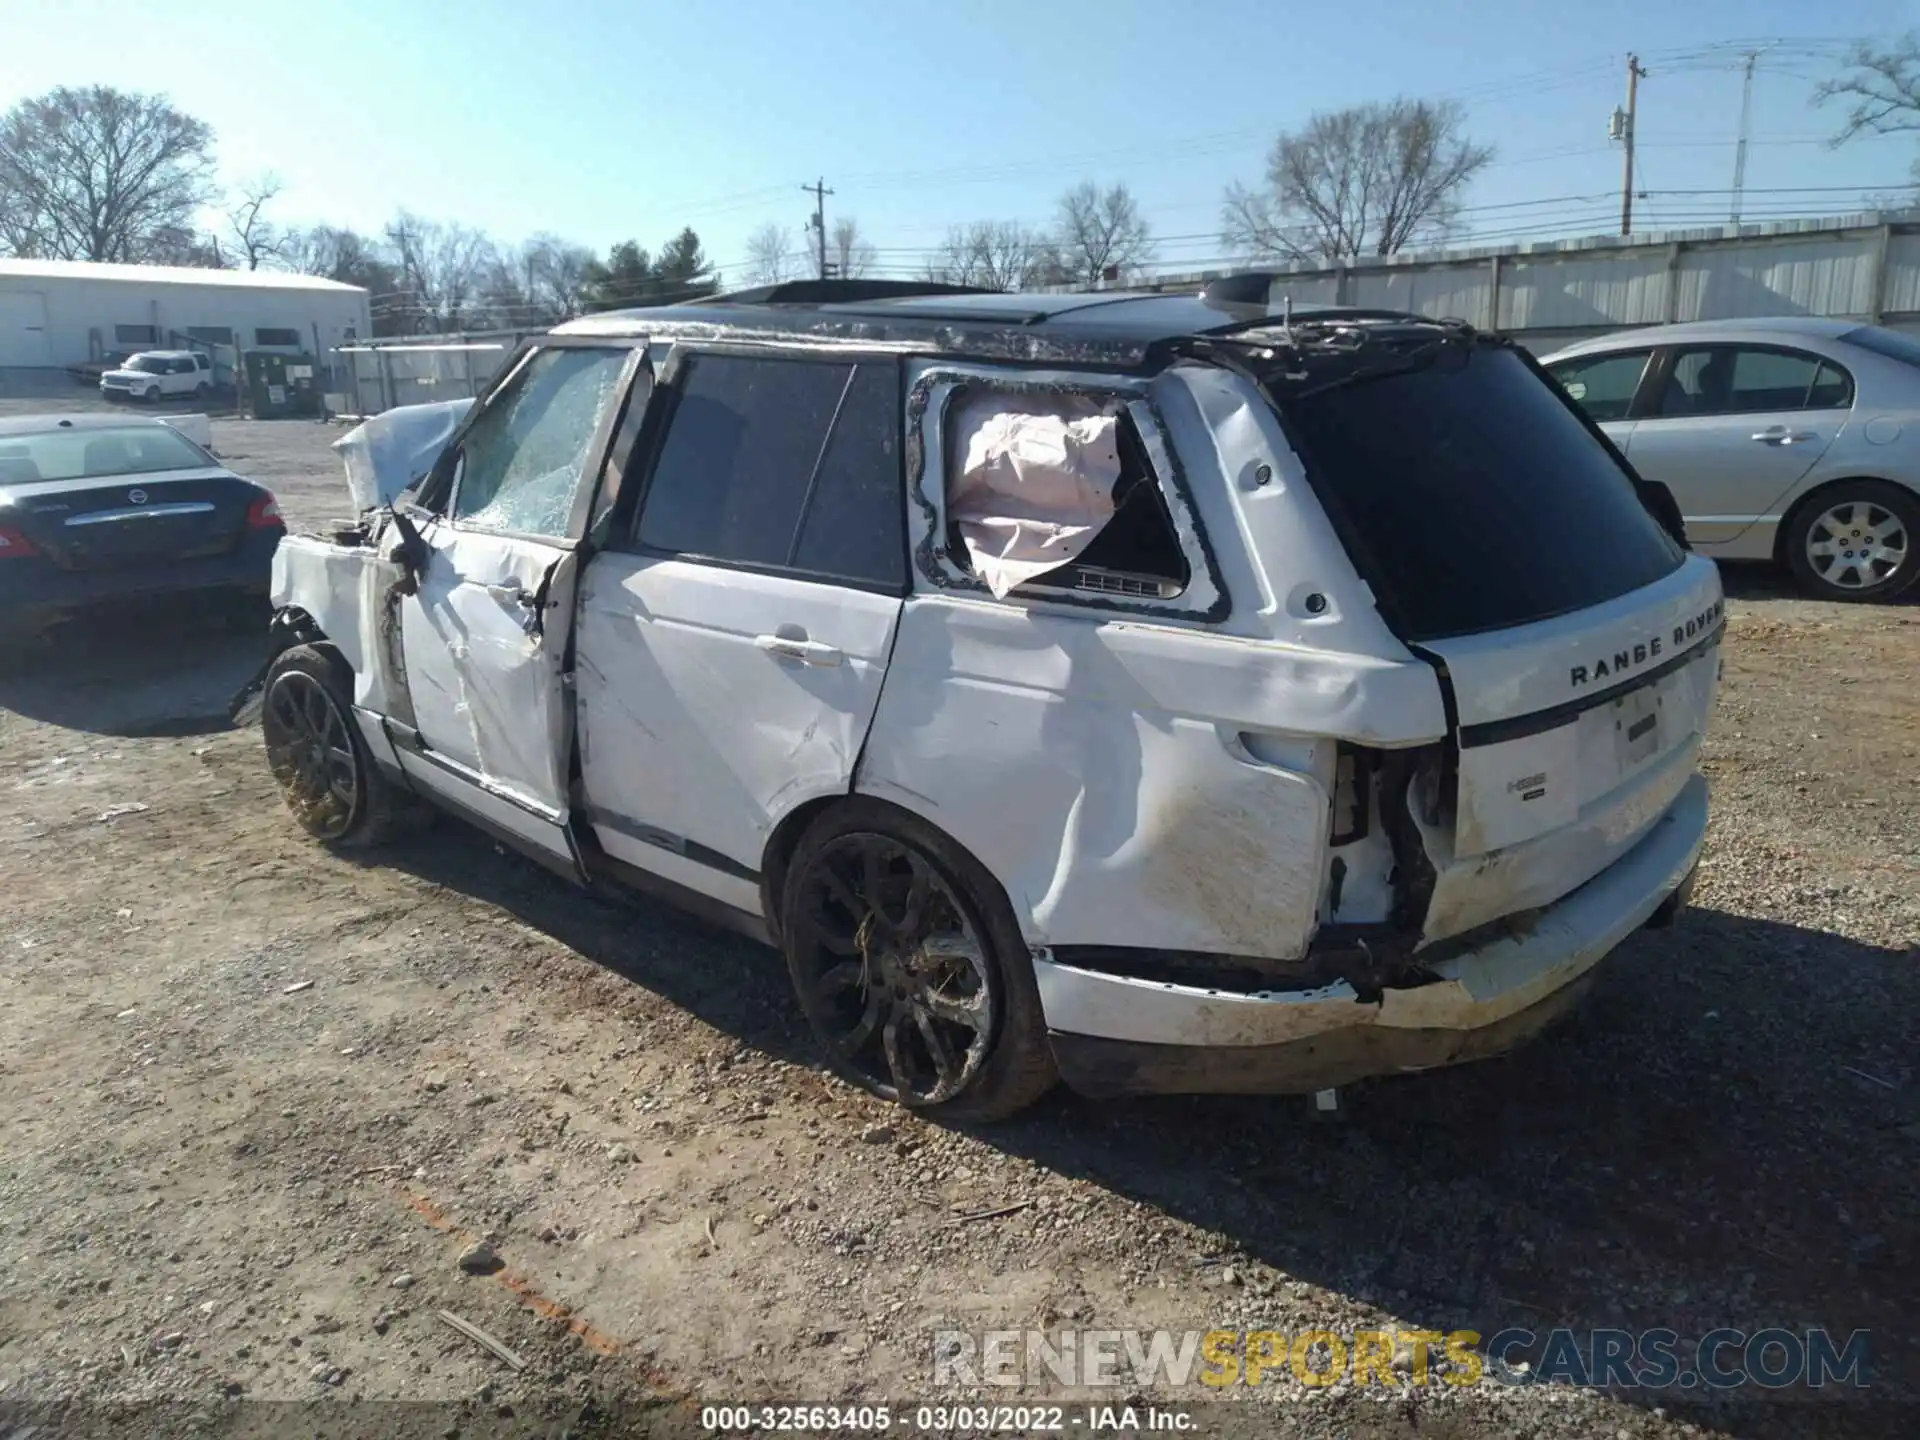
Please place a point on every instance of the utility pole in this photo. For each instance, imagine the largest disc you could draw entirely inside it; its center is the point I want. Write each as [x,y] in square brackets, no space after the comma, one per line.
[1623,124]
[819,191]
[1740,149]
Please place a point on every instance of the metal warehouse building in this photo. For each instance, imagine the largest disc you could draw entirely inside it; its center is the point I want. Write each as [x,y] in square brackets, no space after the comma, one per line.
[60,313]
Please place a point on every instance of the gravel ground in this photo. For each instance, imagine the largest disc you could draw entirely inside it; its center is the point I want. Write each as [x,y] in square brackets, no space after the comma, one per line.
[259,1100]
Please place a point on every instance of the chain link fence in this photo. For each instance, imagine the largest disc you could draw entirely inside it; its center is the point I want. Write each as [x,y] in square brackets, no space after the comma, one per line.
[377,375]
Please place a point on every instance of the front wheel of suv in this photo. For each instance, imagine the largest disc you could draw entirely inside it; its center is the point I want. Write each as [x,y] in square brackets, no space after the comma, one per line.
[910,967]
[1857,541]
[319,759]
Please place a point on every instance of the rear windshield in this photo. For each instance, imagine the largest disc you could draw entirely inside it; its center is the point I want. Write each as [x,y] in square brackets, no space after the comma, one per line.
[1890,343]
[1472,497]
[89,454]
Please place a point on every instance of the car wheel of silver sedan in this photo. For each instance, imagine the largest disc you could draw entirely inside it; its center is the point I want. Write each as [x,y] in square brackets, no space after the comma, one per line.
[1857,541]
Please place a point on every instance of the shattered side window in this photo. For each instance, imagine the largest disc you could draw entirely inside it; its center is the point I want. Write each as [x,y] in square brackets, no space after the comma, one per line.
[522,462]
[1056,492]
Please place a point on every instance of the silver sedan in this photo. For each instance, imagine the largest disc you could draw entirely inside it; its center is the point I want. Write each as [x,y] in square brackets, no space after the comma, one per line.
[1795,440]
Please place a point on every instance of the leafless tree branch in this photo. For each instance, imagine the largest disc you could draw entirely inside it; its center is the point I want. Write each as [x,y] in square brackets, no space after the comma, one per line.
[255,237]
[96,173]
[1101,234]
[1368,180]
[849,250]
[771,257]
[1881,89]
[995,255]
[443,268]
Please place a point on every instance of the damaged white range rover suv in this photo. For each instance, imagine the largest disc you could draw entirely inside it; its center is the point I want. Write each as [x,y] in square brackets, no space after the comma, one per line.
[1148,691]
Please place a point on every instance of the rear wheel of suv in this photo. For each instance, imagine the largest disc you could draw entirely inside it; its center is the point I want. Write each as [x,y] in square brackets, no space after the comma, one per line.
[326,776]
[1857,541]
[910,967]
[202,390]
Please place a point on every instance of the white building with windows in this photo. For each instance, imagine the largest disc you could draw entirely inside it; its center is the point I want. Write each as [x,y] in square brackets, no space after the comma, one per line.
[55,314]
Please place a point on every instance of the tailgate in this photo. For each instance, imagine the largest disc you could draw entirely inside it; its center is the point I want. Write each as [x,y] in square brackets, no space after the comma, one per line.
[1574,736]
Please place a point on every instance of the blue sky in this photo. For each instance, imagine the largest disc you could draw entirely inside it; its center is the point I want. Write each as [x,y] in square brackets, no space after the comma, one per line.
[599,120]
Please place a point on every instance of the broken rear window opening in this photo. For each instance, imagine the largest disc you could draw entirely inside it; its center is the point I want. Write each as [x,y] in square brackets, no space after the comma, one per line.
[1057,493]
[1469,494]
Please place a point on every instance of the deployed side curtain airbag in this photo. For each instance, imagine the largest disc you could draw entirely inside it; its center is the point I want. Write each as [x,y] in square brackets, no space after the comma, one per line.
[1035,483]
[388,453]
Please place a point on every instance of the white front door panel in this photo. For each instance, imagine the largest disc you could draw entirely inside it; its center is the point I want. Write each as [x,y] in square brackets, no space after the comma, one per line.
[484,678]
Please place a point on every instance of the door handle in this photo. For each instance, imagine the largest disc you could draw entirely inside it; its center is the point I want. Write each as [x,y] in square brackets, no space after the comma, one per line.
[1781,435]
[798,647]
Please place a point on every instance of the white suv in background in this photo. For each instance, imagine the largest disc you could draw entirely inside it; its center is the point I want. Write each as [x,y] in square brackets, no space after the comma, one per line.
[152,374]
[1142,690]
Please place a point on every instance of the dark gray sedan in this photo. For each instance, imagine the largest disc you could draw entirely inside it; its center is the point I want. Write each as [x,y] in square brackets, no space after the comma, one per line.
[108,508]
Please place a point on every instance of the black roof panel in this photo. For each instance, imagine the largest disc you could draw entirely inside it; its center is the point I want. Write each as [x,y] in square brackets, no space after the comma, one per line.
[1102,328]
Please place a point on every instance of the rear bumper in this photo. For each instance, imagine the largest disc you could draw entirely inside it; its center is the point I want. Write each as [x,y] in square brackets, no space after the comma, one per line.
[1115,1035]
[35,589]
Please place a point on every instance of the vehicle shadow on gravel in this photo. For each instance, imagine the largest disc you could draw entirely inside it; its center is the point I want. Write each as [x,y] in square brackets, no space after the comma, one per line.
[1755,580]
[155,669]
[733,984]
[1712,1141]
[1725,1136]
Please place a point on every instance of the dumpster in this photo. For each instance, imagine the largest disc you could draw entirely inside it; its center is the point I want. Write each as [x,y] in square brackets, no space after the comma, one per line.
[283,387]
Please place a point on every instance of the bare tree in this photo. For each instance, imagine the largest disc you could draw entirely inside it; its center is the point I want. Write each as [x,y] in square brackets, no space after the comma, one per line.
[443,269]
[179,245]
[1363,181]
[94,173]
[542,282]
[1101,234]
[1881,90]
[340,254]
[953,263]
[255,238]
[995,255]
[770,255]
[558,271]
[850,252]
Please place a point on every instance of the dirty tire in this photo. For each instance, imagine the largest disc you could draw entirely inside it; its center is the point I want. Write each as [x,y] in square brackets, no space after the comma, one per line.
[319,759]
[202,391]
[882,990]
[1878,504]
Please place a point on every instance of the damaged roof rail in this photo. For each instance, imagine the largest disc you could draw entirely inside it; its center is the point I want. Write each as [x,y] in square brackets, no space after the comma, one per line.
[837,292]
[1316,328]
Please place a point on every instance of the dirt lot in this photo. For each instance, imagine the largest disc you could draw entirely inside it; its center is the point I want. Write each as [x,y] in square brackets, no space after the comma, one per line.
[257,1100]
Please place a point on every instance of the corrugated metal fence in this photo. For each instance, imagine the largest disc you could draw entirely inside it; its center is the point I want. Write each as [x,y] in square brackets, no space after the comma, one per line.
[1864,267]
[379,375]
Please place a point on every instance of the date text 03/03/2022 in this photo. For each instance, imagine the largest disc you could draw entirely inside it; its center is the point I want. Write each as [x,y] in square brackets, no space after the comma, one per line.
[944,1419]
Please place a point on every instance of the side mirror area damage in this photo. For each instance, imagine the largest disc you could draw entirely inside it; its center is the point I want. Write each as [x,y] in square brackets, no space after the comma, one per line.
[388,454]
